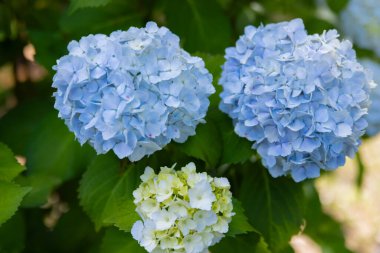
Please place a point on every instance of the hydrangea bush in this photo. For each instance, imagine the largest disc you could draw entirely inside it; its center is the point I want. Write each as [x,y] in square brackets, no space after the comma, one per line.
[360,22]
[136,92]
[301,98]
[181,211]
[373,116]
[131,92]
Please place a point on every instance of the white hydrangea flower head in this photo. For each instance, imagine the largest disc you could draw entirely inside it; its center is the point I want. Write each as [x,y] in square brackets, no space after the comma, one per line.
[181,211]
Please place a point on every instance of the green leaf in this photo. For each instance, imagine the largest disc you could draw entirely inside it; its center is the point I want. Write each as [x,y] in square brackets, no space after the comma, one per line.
[102,19]
[230,141]
[116,241]
[53,155]
[205,145]
[20,124]
[11,194]
[247,243]
[361,170]
[41,185]
[105,193]
[337,5]
[76,224]
[78,4]
[213,64]
[43,32]
[316,25]
[9,167]
[51,41]
[10,199]
[54,152]
[72,232]
[50,45]
[239,223]
[235,149]
[120,209]
[201,25]
[321,227]
[12,235]
[96,186]
[216,142]
[5,23]
[274,206]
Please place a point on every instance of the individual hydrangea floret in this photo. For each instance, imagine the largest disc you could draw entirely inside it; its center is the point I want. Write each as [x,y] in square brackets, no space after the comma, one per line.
[360,21]
[133,91]
[181,211]
[301,98]
[373,116]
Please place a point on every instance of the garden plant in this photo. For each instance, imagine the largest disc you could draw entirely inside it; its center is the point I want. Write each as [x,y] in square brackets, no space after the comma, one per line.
[186,126]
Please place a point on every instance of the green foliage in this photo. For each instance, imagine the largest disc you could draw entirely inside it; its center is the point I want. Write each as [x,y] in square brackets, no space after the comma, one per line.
[66,158]
[11,193]
[268,211]
[214,65]
[216,142]
[120,209]
[247,243]
[229,141]
[10,199]
[235,148]
[77,21]
[52,133]
[320,227]
[106,190]
[73,232]
[188,19]
[50,45]
[274,206]
[360,169]
[337,5]
[12,235]
[116,241]
[239,223]
[205,145]
[9,167]
[18,125]
[102,19]
[75,224]
[78,4]
[41,187]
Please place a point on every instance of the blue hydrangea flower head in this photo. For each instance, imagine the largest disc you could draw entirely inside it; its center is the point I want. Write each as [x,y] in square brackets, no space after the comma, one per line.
[373,116]
[360,22]
[300,98]
[131,92]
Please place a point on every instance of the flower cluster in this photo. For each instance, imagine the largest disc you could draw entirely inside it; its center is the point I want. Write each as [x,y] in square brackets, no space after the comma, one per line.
[133,91]
[373,116]
[301,98]
[360,21]
[181,211]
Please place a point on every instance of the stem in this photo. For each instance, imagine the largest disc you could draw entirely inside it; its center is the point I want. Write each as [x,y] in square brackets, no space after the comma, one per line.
[361,170]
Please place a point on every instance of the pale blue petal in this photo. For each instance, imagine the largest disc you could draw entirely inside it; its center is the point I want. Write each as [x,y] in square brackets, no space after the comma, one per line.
[301,98]
[131,92]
